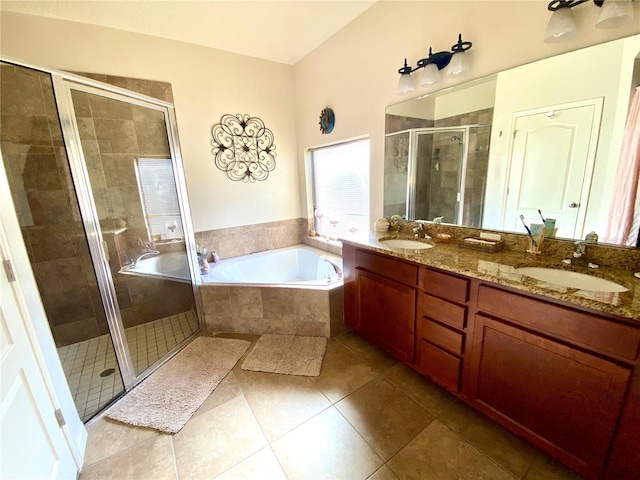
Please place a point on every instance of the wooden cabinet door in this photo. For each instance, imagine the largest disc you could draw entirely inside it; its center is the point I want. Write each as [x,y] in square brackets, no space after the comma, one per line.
[387,313]
[564,399]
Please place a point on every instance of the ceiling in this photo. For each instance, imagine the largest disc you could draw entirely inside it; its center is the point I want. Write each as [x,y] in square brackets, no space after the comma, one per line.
[281,31]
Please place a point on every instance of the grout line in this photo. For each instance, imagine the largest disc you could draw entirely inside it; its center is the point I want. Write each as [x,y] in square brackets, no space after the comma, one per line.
[175,458]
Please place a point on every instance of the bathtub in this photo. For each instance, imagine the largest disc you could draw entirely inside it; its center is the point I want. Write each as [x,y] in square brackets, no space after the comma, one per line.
[297,265]
[170,266]
[288,291]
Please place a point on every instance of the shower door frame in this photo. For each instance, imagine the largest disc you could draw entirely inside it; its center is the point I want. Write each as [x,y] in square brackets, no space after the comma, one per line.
[63,83]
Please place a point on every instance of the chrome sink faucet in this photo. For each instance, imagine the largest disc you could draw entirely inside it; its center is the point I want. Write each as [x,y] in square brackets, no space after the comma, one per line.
[419,229]
[579,256]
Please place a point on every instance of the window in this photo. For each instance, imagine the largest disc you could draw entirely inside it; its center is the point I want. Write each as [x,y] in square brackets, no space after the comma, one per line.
[340,184]
[159,197]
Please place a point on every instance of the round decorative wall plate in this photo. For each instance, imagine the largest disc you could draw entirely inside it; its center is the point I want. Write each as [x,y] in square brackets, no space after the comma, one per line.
[327,120]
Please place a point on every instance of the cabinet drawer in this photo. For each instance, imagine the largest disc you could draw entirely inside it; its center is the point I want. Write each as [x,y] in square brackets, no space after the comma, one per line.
[444,285]
[388,267]
[443,311]
[572,325]
[441,336]
[441,366]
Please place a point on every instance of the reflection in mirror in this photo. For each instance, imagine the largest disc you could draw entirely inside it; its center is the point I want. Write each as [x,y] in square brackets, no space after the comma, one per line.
[546,136]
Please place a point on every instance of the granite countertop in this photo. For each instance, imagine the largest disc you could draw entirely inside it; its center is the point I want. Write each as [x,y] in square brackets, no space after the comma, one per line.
[499,267]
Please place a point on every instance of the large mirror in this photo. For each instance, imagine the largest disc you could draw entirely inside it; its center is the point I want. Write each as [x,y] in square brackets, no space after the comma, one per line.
[543,136]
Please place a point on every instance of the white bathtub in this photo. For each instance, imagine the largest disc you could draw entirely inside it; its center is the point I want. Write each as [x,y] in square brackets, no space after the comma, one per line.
[172,266]
[297,265]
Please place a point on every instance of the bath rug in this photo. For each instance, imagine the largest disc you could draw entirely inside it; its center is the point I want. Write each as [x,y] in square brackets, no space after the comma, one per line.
[287,354]
[168,398]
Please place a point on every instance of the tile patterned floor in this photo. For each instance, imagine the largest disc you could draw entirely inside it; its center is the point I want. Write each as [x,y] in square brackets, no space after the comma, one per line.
[365,417]
[84,362]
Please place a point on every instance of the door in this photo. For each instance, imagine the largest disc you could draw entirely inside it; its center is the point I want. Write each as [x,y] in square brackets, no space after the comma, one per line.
[439,184]
[41,193]
[551,166]
[32,444]
[387,313]
[563,398]
[132,208]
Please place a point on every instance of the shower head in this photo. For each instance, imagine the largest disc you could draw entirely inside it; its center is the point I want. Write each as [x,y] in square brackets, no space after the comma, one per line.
[456,138]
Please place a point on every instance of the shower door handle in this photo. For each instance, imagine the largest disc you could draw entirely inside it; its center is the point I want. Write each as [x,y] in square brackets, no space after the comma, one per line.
[105,251]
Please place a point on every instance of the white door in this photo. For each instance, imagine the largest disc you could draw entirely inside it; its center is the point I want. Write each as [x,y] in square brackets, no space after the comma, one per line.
[551,166]
[32,444]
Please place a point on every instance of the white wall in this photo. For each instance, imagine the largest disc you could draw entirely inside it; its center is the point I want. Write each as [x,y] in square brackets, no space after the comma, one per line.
[355,71]
[479,96]
[207,83]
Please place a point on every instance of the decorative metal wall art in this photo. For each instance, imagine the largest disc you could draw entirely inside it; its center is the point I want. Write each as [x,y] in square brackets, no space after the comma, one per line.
[327,120]
[243,148]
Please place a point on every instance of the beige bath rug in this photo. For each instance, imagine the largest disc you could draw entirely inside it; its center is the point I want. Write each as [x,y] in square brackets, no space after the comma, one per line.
[168,398]
[288,354]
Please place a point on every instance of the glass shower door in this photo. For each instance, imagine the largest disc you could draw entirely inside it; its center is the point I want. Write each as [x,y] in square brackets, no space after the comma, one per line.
[132,178]
[48,210]
[439,156]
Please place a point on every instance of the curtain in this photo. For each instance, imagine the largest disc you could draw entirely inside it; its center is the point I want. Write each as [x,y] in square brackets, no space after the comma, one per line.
[624,213]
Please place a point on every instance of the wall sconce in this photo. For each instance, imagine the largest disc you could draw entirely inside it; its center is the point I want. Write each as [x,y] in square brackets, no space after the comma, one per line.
[562,24]
[455,59]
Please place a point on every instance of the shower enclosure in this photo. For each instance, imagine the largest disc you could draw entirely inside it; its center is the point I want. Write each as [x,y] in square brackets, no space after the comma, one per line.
[437,172]
[96,180]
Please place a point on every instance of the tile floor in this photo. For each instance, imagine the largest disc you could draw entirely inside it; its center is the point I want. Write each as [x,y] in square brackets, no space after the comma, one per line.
[83,362]
[365,417]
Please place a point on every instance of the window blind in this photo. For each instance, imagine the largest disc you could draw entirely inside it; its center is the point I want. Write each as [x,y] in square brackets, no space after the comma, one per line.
[158,195]
[340,183]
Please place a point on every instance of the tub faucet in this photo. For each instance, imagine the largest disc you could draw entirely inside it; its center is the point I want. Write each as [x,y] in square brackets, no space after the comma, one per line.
[335,266]
[143,255]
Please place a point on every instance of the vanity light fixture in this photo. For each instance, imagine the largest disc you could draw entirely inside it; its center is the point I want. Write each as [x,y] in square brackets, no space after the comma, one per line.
[562,24]
[455,59]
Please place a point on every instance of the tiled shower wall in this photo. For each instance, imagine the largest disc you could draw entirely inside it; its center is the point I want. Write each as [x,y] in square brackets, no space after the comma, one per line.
[44,197]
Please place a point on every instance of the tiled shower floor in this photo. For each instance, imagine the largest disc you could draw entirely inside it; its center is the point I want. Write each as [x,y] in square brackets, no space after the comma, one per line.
[84,362]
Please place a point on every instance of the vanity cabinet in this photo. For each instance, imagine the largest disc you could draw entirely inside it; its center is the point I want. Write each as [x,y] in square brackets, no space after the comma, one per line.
[384,292]
[556,395]
[564,377]
[555,375]
[441,327]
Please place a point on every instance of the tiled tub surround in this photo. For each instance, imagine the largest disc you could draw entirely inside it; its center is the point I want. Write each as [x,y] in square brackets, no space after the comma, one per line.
[616,264]
[269,309]
[246,239]
[274,292]
[272,309]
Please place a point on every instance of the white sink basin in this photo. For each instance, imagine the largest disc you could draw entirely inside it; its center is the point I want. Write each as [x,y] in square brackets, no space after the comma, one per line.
[404,243]
[570,279]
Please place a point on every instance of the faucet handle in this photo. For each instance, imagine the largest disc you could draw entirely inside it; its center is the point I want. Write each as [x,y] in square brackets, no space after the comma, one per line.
[591,238]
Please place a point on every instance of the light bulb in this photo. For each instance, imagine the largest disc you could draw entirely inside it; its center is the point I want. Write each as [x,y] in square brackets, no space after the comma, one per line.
[430,75]
[561,25]
[615,13]
[458,64]
[405,84]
